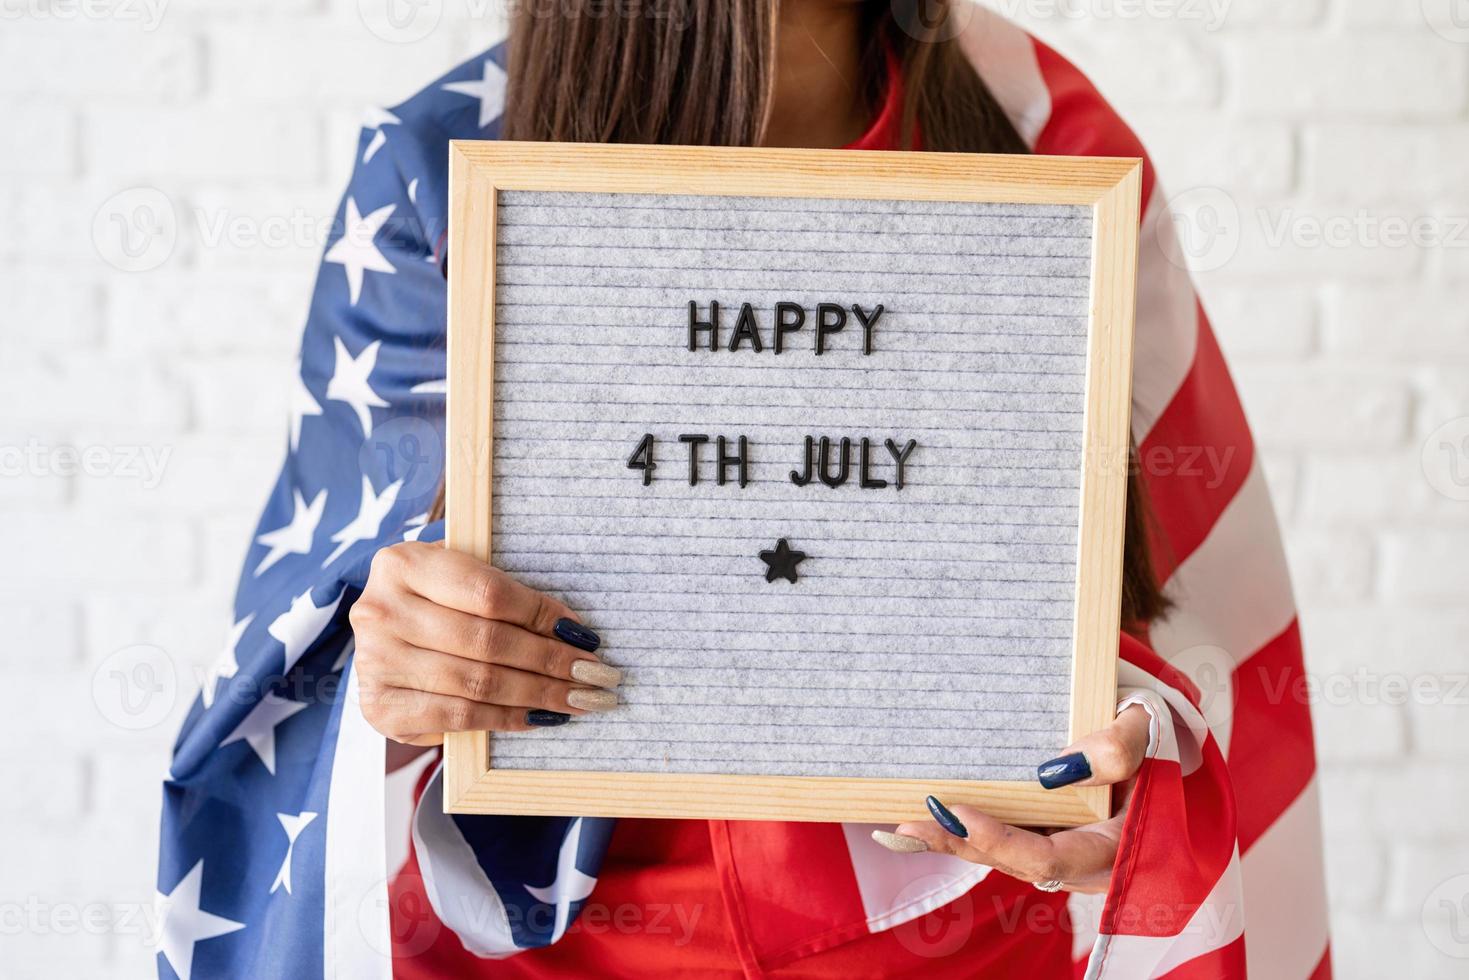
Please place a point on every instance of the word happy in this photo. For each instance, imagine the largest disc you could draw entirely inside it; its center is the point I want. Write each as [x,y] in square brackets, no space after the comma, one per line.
[825,322]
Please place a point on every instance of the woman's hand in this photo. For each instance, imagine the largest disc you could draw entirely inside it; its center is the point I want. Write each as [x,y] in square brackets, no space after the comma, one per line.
[446,643]
[1080,859]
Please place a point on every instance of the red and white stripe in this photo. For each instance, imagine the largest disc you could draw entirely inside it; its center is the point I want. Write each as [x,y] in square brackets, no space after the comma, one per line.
[1234,628]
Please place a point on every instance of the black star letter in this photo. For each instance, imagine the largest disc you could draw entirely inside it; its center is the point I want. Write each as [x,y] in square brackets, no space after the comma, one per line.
[782,561]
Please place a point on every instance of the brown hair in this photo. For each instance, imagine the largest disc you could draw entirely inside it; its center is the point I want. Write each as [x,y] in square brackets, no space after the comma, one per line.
[699,72]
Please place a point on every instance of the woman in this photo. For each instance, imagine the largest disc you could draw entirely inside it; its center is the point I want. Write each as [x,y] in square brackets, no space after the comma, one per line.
[435,631]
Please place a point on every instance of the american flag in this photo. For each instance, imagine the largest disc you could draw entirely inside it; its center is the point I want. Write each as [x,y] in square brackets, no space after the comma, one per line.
[274,860]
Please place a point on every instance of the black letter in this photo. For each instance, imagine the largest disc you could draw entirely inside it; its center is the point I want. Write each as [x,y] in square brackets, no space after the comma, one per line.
[867,482]
[726,460]
[697,326]
[745,327]
[642,459]
[868,324]
[784,326]
[901,457]
[694,443]
[846,462]
[830,318]
[804,478]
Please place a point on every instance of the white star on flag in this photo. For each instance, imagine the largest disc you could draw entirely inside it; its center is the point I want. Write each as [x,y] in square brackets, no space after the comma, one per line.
[294,538]
[437,387]
[258,728]
[571,884]
[227,665]
[369,520]
[184,923]
[376,119]
[415,527]
[298,627]
[355,250]
[490,90]
[293,823]
[350,382]
[302,405]
[413,191]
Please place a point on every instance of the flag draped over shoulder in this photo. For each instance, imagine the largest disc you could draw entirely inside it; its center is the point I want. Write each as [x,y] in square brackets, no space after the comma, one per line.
[273,843]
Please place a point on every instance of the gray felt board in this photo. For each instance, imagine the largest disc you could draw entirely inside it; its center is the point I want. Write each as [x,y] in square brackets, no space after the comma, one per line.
[929,632]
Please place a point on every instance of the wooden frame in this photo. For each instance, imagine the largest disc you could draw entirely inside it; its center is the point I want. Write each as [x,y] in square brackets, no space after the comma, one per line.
[1110,186]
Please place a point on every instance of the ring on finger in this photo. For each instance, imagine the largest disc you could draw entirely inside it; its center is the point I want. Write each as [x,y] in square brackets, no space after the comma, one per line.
[1048,886]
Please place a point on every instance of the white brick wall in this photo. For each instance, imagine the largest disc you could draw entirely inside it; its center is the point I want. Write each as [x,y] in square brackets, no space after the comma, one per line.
[1330,126]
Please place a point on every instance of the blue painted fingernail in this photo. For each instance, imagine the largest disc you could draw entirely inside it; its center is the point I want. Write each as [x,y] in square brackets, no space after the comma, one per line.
[570,631]
[946,819]
[1063,771]
[546,719]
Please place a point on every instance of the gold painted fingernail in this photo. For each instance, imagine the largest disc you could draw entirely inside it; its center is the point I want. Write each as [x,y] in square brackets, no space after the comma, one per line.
[899,842]
[592,700]
[596,673]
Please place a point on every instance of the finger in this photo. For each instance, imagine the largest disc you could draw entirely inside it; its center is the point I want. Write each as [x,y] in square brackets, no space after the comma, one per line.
[456,580]
[421,623]
[1112,755]
[1066,856]
[412,716]
[411,668]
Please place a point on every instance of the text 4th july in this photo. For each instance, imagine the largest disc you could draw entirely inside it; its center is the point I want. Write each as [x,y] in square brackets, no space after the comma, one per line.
[827,461]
